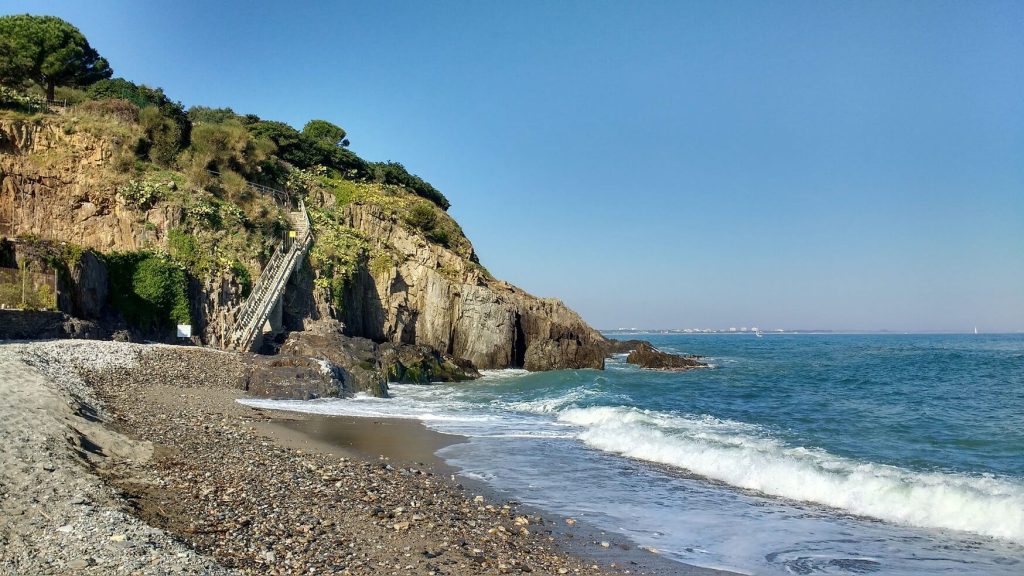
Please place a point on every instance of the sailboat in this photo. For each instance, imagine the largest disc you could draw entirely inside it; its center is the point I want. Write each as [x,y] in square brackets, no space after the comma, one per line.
[975,329]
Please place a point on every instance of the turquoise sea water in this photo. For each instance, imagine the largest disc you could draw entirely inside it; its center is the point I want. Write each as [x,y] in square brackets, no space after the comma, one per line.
[794,454]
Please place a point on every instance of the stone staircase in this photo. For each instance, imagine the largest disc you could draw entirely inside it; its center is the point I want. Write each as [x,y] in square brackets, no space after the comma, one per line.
[267,291]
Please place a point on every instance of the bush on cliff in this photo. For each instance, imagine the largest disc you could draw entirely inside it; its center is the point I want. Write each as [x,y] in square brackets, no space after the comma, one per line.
[149,290]
[225,148]
[116,109]
[305,150]
[167,127]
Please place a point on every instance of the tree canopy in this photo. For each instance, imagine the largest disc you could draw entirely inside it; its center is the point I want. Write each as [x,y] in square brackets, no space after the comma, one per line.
[48,51]
[324,131]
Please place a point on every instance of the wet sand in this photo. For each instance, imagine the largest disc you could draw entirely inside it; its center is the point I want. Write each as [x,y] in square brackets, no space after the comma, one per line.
[406,442]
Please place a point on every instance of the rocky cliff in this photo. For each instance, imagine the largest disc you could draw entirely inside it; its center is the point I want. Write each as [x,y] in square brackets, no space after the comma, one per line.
[433,296]
[59,180]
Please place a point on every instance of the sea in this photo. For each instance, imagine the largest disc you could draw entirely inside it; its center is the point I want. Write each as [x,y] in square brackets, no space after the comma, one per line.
[792,454]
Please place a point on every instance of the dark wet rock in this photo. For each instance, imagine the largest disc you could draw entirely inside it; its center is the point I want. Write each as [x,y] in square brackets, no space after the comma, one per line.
[647,356]
[366,366]
[410,364]
[355,357]
[293,378]
[613,346]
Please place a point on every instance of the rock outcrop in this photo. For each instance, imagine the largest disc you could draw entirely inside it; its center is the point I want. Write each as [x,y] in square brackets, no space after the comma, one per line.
[366,366]
[293,378]
[613,346]
[435,297]
[647,356]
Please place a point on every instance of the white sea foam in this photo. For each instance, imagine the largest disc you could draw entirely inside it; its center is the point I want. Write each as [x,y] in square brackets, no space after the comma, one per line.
[554,404]
[736,453]
[502,373]
[741,455]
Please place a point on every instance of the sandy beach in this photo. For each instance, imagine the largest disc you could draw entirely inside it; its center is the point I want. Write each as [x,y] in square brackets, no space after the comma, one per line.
[135,459]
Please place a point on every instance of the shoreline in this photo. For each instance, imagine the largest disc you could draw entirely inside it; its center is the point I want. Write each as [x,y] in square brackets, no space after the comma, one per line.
[410,442]
[196,482]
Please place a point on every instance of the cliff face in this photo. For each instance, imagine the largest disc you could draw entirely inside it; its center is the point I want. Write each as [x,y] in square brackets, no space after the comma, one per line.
[59,184]
[435,297]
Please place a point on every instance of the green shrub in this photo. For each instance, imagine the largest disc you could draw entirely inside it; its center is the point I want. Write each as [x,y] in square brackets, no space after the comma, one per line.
[395,173]
[10,294]
[141,194]
[243,276]
[305,151]
[440,235]
[71,95]
[324,131]
[184,248]
[163,138]
[227,147]
[205,115]
[203,212]
[149,290]
[422,216]
[381,263]
[145,97]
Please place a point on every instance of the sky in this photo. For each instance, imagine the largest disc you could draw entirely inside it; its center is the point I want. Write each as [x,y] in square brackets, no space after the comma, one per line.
[836,165]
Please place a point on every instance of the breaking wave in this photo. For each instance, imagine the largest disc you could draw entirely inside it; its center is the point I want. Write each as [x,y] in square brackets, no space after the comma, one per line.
[743,456]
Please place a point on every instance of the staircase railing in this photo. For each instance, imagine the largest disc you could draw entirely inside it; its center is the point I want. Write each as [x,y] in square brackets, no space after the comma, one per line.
[272,281]
[281,196]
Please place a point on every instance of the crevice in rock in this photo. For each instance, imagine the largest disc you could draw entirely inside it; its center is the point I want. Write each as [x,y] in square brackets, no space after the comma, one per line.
[519,344]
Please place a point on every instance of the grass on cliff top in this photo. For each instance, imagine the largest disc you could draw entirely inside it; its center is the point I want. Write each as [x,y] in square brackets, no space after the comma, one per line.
[412,212]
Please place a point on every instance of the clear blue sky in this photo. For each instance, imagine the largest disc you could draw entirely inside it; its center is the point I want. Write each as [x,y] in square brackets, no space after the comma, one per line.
[657,164]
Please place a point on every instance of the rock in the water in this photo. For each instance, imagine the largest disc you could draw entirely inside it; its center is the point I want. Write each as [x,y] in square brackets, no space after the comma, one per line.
[647,356]
[411,364]
[613,346]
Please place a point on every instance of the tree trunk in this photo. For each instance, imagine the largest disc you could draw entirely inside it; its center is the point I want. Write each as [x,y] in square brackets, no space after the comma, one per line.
[50,88]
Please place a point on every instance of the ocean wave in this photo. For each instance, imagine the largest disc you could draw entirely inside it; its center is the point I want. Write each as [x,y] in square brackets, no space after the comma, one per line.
[744,456]
[502,373]
[555,404]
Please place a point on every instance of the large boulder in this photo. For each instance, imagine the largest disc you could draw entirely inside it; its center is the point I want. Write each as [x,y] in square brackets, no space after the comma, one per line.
[366,366]
[293,378]
[411,364]
[355,357]
[647,356]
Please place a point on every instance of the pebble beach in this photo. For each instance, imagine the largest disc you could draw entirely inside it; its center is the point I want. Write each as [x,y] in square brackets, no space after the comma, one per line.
[136,459]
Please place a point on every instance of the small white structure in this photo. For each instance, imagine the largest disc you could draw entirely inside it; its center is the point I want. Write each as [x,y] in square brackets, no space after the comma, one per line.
[184,330]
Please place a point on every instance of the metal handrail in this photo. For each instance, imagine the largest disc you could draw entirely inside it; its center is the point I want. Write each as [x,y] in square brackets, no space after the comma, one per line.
[260,188]
[271,283]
